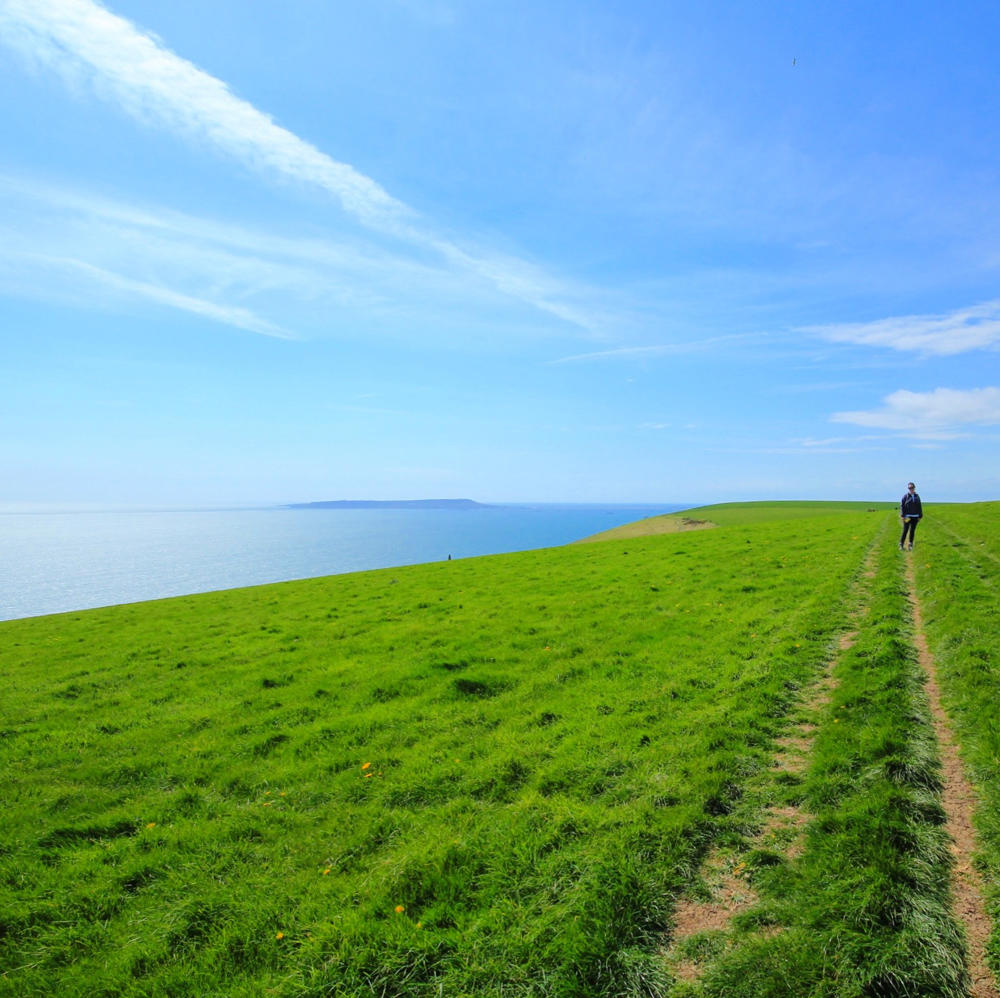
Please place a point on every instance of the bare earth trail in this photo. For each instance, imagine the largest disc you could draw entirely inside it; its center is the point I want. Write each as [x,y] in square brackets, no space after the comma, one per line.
[959,802]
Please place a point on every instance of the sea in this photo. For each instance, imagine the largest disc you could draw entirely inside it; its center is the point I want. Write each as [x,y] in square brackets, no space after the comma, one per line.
[58,562]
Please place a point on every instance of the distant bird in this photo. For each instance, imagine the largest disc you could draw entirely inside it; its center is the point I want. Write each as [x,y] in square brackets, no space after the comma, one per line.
[793,62]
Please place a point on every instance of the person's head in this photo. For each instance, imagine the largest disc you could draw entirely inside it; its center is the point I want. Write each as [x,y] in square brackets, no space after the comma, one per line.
[910,486]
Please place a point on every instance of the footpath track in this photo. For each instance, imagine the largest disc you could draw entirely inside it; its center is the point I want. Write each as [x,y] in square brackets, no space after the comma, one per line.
[782,824]
[777,815]
[953,581]
[865,820]
[959,801]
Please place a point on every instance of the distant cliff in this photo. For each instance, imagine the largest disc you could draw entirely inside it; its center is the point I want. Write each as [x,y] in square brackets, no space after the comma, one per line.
[390,504]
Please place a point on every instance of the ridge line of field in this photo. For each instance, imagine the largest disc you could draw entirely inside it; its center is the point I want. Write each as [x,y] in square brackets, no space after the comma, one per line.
[667,523]
[959,801]
[730,514]
[733,893]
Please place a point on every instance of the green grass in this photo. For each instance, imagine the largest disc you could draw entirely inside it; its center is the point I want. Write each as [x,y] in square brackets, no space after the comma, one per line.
[736,514]
[530,755]
[865,909]
[957,558]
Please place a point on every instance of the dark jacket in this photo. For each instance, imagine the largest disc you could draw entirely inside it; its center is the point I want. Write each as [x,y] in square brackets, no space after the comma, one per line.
[910,505]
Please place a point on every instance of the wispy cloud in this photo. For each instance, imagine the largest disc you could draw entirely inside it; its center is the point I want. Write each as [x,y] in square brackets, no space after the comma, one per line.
[115,253]
[230,315]
[65,246]
[87,43]
[863,443]
[938,415]
[819,386]
[973,328]
[811,442]
[656,350]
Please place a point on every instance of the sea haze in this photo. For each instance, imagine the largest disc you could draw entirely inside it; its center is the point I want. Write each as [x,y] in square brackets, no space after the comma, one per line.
[55,562]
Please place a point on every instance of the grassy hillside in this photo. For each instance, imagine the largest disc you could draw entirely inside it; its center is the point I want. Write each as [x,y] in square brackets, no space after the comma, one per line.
[733,514]
[495,776]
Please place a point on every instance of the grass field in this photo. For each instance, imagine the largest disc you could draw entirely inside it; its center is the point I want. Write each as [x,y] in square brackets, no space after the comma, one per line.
[732,514]
[503,775]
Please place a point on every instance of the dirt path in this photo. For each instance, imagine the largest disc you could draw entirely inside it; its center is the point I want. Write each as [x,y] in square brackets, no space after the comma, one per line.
[959,801]
[783,827]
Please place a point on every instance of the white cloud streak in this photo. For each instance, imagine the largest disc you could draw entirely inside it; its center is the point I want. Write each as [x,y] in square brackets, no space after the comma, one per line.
[230,315]
[828,442]
[115,254]
[656,350]
[973,328]
[85,42]
[938,415]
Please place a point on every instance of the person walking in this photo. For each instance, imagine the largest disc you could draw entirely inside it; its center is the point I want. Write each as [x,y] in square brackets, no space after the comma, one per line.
[910,512]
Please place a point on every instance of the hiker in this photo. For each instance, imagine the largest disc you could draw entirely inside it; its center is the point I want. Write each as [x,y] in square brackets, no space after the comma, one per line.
[910,512]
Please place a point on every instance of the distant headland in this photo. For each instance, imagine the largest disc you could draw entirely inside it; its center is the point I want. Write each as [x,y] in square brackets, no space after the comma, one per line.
[390,504]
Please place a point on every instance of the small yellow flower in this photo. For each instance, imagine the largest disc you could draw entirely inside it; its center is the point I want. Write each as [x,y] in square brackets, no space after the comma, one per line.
[420,925]
[836,720]
[151,824]
[400,909]
[326,872]
[366,765]
[280,935]
[268,803]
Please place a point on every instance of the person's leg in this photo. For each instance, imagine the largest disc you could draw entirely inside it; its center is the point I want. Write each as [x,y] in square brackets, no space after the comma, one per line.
[913,531]
[902,538]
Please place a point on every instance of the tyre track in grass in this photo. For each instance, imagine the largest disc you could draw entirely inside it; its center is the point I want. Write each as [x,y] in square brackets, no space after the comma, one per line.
[959,801]
[971,552]
[782,826]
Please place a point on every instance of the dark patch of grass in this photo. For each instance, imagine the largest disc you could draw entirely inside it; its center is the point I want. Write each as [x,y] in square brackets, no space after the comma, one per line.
[60,837]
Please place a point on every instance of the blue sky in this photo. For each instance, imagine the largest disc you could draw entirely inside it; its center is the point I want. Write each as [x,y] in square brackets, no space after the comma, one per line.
[256,252]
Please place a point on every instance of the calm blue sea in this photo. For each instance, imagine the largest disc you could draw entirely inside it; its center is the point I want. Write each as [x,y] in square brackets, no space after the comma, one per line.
[52,562]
